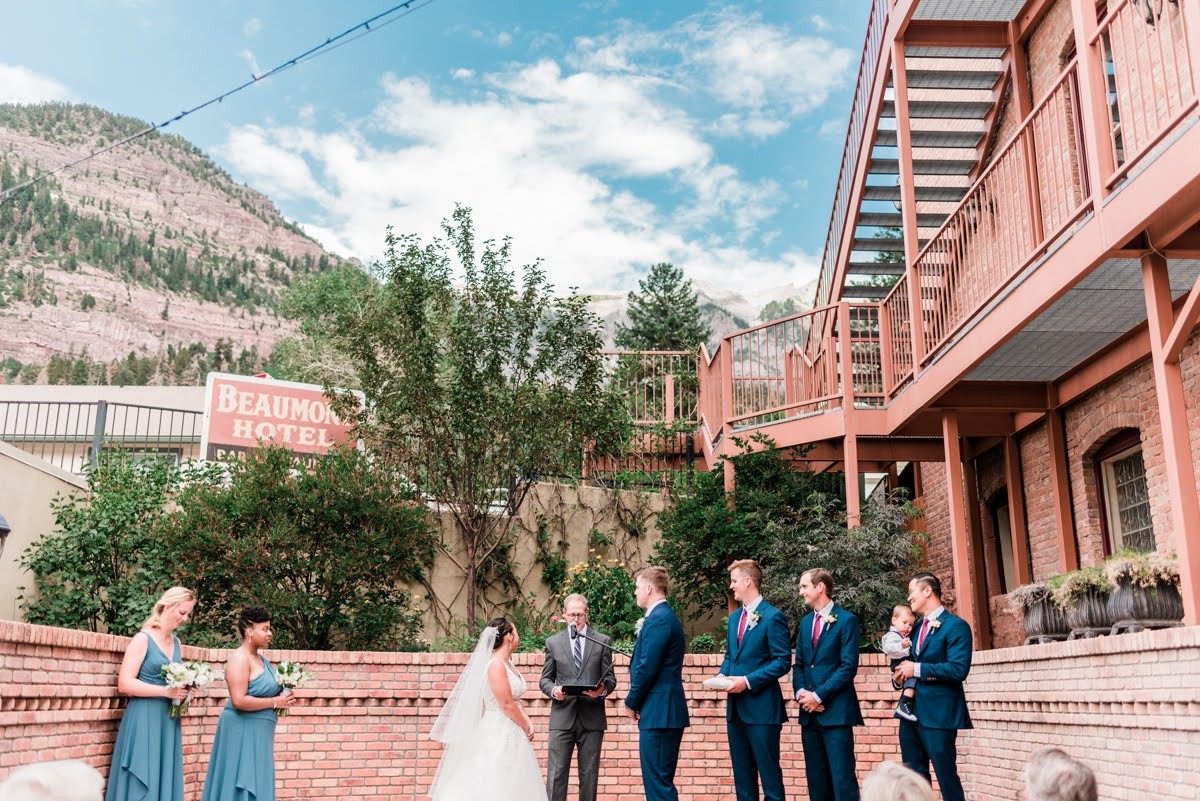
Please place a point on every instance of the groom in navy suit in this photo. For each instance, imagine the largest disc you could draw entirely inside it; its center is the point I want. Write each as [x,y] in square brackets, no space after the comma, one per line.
[758,652]
[655,697]
[823,679]
[941,661]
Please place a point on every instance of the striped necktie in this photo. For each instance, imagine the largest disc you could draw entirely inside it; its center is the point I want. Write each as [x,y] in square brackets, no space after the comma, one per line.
[577,654]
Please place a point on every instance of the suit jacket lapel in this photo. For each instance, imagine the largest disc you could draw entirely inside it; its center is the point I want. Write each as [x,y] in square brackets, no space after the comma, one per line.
[590,651]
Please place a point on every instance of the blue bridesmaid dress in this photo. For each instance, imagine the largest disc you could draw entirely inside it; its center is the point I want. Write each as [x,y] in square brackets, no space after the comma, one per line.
[242,765]
[148,757]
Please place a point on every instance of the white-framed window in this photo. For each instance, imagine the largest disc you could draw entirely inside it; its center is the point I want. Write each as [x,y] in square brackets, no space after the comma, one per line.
[1126,500]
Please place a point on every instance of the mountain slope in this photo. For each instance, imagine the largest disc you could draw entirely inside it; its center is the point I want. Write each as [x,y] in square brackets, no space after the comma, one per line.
[150,249]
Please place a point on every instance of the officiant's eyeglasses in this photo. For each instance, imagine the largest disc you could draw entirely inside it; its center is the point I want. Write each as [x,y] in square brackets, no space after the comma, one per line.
[575,614]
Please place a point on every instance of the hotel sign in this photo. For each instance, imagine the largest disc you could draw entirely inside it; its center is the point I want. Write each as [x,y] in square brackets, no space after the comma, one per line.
[241,413]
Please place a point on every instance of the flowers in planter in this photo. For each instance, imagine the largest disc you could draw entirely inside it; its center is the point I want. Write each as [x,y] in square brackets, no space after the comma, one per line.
[1070,587]
[1149,570]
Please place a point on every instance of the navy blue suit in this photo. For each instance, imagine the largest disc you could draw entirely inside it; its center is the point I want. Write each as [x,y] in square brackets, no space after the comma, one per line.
[656,694]
[755,716]
[945,661]
[828,737]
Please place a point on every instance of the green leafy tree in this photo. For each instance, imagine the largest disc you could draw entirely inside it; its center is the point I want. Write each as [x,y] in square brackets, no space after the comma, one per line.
[328,549]
[317,302]
[870,563]
[706,530]
[664,314]
[477,383]
[104,564]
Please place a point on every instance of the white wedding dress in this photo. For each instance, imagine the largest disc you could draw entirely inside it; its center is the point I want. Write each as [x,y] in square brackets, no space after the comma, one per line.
[495,763]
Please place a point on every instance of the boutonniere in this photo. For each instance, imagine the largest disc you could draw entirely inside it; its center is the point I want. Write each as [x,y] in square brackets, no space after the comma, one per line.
[752,621]
[831,619]
[935,624]
[637,627]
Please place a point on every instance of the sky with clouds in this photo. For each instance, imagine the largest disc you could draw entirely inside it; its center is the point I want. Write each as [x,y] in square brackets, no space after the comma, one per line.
[601,135]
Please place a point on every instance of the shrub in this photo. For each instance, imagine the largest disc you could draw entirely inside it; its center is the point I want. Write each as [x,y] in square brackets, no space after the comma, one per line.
[328,549]
[870,563]
[608,587]
[104,565]
[706,643]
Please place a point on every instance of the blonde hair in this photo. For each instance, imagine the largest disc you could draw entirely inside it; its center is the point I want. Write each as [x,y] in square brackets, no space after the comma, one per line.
[655,576]
[748,568]
[169,600]
[61,780]
[1053,775]
[891,781]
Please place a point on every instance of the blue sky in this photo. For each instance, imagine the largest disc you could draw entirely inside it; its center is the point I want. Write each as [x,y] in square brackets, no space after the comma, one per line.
[602,135]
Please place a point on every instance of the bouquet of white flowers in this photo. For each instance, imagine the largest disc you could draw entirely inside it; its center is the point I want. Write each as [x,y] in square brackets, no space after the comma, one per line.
[291,675]
[192,675]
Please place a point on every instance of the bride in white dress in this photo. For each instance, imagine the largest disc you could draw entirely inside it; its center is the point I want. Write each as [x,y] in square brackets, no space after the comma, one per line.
[487,734]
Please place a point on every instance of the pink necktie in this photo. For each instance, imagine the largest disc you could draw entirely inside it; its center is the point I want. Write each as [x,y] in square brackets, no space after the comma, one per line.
[816,629]
[742,624]
[924,634]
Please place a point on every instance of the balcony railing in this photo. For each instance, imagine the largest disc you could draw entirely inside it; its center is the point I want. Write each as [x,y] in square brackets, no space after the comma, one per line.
[1034,188]
[859,114]
[68,434]
[1148,69]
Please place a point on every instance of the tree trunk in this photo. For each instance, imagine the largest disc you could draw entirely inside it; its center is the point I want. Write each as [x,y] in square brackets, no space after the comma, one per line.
[471,614]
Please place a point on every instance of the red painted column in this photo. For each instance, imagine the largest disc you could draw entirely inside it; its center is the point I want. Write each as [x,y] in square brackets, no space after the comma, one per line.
[1095,120]
[1176,442]
[963,588]
[1060,490]
[1016,510]
[849,416]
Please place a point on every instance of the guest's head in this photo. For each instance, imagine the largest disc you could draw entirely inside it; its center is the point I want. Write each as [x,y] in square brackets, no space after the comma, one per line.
[172,609]
[745,580]
[506,634]
[924,593]
[891,781]
[650,584]
[61,780]
[816,587]
[1054,775]
[903,618]
[254,626]
[575,609]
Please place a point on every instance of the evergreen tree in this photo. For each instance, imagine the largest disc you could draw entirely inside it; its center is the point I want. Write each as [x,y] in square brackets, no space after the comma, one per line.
[664,314]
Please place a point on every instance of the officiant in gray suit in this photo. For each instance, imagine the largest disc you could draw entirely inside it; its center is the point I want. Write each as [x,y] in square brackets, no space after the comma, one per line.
[576,721]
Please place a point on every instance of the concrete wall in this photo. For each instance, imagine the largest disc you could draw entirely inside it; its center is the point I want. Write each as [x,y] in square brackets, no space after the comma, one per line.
[27,485]
[1129,706]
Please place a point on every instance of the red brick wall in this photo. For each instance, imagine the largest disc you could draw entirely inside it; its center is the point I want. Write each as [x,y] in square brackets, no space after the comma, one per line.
[363,733]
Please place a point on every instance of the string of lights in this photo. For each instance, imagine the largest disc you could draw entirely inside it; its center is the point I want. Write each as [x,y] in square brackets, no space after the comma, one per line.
[375,23]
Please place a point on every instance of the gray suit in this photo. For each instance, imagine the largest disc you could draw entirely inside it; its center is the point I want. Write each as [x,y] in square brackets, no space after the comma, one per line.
[577,720]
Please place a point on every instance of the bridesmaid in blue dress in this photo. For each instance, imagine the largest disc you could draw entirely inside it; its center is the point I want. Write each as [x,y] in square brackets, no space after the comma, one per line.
[148,757]
[242,765]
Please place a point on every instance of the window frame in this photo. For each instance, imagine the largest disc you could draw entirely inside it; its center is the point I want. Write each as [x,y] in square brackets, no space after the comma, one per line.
[1121,445]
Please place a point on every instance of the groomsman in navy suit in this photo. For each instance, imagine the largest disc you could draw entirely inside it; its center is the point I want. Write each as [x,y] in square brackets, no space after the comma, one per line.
[823,679]
[655,697]
[941,661]
[758,652]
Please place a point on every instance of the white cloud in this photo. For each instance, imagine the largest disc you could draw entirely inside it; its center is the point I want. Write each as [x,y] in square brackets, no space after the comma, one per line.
[251,62]
[821,24]
[22,85]
[592,165]
[504,39]
[252,27]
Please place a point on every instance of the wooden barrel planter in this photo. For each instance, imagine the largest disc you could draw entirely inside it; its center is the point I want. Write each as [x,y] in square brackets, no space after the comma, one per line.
[1088,615]
[1043,621]
[1134,607]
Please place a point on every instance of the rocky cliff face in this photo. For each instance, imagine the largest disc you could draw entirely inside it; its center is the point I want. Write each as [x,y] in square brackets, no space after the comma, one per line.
[143,247]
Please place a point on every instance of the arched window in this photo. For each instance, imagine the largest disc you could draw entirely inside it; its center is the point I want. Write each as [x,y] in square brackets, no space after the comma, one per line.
[1124,496]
